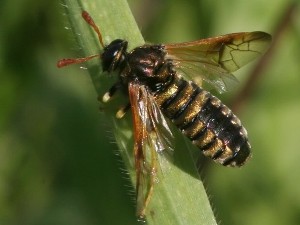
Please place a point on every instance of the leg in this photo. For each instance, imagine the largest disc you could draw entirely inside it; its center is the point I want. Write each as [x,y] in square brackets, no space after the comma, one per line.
[107,96]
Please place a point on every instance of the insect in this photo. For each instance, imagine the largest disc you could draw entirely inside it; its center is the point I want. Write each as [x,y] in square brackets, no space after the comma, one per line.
[164,81]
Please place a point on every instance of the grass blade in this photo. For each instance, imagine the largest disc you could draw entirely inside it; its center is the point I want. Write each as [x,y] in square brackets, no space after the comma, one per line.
[179,197]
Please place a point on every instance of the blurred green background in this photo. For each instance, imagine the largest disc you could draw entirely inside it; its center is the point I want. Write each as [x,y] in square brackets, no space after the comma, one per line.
[56,162]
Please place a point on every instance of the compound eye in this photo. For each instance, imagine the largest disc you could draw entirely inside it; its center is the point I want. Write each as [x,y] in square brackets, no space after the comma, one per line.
[113,54]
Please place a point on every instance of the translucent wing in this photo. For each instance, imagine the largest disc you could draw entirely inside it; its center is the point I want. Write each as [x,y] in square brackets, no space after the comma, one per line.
[152,135]
[213,59]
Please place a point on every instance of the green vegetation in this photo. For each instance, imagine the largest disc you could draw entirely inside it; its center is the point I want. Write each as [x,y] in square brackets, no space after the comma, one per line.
[57,163]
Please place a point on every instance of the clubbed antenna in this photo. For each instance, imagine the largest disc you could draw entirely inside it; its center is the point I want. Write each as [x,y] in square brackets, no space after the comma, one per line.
[86,16]
[65,62]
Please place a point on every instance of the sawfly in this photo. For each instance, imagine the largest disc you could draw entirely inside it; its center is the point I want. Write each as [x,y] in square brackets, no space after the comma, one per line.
[163,83]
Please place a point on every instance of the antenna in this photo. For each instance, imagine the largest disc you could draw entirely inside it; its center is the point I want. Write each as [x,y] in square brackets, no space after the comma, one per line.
[86,16]
[65,62]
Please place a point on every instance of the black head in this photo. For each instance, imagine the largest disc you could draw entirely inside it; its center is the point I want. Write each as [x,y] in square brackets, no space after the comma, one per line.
[113,55]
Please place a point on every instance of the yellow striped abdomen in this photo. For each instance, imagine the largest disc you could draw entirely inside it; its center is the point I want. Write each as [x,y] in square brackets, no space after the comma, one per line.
[208,123]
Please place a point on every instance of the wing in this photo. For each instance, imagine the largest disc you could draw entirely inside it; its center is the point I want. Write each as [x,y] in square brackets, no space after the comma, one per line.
[213,59]
[152,135]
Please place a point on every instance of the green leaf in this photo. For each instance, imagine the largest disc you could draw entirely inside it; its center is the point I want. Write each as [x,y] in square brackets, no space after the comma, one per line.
[179,196]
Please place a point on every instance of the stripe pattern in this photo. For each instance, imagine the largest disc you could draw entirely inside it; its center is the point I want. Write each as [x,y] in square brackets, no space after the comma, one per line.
[208,123]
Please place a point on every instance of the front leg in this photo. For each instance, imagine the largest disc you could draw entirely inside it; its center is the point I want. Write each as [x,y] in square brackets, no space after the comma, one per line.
[108,96]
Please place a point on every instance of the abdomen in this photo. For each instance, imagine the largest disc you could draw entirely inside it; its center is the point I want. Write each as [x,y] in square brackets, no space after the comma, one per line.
[208,123]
